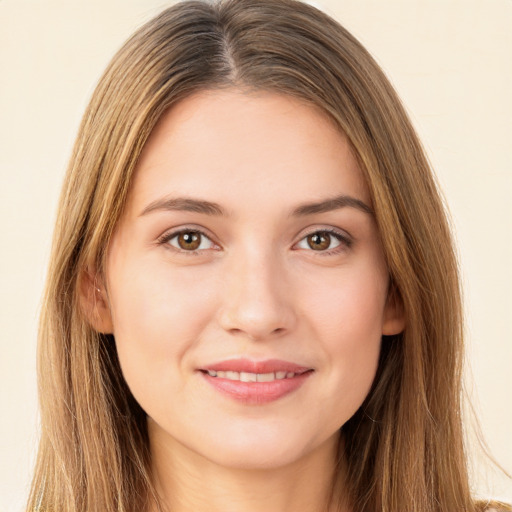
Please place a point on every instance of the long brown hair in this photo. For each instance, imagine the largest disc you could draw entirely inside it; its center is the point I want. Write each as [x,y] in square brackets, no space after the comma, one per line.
[404,446]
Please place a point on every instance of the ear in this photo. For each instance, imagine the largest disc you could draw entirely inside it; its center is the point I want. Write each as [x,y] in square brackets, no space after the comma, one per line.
[94,302]
[394,315]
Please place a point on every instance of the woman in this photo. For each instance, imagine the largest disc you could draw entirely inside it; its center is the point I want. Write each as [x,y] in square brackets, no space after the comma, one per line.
[253,300]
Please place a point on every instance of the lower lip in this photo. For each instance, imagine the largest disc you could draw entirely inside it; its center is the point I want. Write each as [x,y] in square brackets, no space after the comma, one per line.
[256,393]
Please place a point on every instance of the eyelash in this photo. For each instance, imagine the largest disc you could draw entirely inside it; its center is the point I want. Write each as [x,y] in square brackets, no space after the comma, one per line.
[345,241]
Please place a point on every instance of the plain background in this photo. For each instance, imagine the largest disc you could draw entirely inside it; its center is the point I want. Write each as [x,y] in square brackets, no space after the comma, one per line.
[451,62]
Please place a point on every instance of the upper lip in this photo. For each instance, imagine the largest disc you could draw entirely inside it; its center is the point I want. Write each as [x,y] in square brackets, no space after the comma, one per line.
[249,366]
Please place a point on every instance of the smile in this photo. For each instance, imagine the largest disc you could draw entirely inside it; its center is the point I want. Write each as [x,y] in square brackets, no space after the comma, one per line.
[252,377]
[255,382]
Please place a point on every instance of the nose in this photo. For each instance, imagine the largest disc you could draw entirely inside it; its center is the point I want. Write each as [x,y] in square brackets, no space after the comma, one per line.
[257,300]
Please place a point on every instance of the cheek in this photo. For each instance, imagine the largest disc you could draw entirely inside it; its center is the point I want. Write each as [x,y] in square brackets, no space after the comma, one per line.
[158,317]
[154,300]
[347,322]
[348,305]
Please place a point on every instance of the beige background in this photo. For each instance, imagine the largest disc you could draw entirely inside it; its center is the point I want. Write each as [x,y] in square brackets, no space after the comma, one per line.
[450,61]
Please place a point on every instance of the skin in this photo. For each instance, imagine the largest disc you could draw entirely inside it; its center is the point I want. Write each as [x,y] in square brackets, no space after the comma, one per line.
[254,288]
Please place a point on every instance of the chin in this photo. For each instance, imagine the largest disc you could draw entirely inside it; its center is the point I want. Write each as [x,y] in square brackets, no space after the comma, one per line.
[255,459]
[262,449]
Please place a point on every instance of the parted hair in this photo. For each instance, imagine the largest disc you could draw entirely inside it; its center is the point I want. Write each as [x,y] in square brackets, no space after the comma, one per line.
[404,447]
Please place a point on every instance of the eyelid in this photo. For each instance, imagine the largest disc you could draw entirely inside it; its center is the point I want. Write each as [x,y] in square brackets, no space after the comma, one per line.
[345,239]
[172,233]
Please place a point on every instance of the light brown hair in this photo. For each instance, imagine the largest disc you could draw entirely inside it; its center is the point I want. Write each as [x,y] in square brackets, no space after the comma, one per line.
[404,446]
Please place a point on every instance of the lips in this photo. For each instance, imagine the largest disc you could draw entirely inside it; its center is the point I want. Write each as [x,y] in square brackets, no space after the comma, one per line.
[255,382]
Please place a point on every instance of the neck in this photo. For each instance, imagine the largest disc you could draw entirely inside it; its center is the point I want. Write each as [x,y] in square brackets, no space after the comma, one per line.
[186,481]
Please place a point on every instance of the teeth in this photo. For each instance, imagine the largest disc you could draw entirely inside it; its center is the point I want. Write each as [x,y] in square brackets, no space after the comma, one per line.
[265,377]
[248,377]
[251,377]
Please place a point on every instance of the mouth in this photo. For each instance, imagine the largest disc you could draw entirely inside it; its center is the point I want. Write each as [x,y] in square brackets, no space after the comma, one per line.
[256,382]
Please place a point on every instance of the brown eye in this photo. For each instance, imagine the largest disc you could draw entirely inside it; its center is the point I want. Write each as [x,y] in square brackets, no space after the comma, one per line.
[325,241]
[319,241]
[189,240]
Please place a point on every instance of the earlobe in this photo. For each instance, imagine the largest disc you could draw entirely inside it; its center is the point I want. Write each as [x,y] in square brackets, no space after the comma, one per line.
[394,315]
[94,302]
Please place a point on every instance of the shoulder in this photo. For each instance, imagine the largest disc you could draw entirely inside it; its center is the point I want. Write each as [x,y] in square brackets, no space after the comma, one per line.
[492,506]
[497,507]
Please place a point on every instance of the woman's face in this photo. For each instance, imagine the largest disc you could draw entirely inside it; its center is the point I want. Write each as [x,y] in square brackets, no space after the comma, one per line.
[248,252]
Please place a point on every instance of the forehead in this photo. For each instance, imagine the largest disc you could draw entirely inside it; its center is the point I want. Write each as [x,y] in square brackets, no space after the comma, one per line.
[238,147]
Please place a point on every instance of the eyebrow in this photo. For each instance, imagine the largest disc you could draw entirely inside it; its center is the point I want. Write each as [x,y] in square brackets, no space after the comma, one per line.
[184,204]
[210,208]
[328,205]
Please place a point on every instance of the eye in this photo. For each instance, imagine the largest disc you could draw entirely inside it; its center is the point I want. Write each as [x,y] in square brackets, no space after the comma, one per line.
[188,240]
[326,241]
